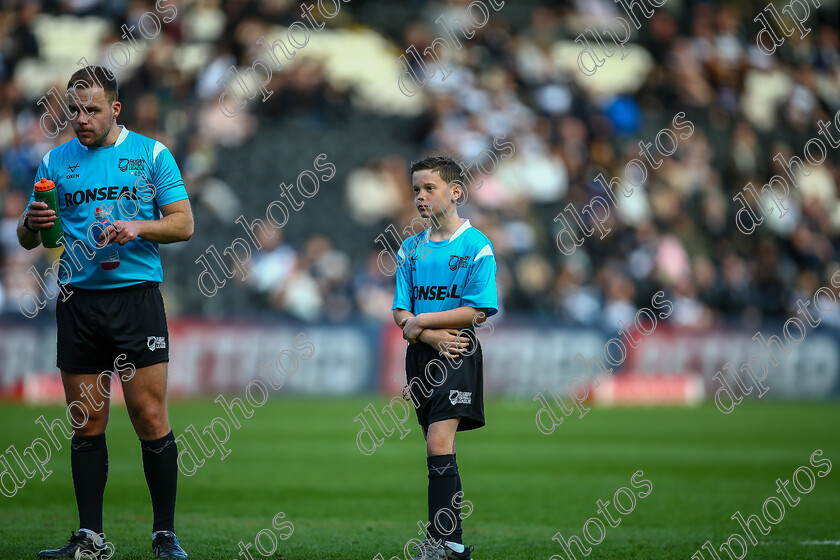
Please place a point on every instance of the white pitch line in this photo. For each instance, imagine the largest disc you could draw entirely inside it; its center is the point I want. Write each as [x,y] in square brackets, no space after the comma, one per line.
[833,543]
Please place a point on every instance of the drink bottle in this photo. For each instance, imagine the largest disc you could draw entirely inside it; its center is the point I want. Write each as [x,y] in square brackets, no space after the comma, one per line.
[108,256]
[45,191]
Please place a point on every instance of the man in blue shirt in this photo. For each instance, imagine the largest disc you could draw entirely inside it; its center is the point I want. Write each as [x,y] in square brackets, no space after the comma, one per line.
[111,318]
[446,281]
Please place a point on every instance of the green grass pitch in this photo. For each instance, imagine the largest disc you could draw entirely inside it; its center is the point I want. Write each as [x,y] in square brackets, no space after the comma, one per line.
[298,456]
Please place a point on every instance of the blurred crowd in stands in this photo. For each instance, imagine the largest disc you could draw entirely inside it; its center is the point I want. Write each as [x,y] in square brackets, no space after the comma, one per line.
[517,77]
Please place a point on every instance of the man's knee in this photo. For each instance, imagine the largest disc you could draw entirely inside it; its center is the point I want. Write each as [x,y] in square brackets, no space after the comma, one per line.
[149,418]
[87,422]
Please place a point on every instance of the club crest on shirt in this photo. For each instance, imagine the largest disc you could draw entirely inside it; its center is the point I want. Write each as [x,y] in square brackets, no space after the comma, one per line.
[127,164]
[456,262]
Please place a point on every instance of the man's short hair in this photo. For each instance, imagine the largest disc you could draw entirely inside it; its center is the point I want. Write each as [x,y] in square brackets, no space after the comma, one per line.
[95,76]
[446,167]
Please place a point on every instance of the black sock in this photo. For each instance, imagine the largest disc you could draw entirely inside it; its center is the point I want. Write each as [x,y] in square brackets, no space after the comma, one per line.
[89,465]
[160,463]
[443,480]
[456,534]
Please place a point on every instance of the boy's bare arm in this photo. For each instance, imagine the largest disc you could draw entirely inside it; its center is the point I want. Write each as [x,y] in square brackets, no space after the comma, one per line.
[447,341]
[459,318]
[401,315]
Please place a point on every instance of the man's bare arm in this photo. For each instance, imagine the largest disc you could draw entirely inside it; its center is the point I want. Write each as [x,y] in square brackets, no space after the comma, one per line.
[175,225]
[40,217]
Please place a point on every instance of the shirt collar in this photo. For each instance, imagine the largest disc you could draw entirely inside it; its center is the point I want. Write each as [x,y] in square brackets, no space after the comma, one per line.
[464,226]
[123,135]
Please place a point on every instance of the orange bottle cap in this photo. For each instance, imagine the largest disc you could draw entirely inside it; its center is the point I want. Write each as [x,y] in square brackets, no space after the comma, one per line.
[44,185]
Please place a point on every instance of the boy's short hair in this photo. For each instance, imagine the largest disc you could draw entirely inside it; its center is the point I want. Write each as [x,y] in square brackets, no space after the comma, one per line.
[96,76]
[447,168]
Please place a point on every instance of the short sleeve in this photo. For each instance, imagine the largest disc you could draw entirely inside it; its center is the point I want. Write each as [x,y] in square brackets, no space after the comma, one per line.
[480,290]
[403,292]
[166,178]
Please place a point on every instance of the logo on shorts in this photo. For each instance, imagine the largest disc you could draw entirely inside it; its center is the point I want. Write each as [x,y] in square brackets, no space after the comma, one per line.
[460,397]
[155,342]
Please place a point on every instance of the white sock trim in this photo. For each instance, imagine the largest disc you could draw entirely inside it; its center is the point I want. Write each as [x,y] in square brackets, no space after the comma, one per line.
[92,534]
[457,547]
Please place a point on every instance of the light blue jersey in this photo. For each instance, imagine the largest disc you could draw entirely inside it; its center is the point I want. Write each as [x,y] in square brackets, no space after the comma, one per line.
[129,180]
[443,275]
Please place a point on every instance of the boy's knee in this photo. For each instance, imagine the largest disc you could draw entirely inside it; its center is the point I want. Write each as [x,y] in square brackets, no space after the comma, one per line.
[439,445]
[433,450]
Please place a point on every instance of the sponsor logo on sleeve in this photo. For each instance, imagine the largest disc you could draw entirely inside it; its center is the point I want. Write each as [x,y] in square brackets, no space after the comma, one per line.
[460,397]
[155,342]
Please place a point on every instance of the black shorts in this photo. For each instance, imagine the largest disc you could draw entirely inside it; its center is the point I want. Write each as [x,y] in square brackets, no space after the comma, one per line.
[447,388]
[96,326]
